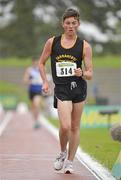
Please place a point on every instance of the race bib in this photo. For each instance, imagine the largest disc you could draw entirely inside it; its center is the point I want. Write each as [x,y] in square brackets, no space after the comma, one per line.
[65,69]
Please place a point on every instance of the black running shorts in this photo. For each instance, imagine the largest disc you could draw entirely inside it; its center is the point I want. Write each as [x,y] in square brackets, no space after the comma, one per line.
[75,91]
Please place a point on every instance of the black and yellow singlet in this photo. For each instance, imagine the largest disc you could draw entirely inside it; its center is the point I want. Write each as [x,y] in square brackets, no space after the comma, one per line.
[65,60]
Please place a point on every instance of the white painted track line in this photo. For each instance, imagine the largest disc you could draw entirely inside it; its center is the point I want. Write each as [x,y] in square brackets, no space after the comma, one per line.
[5,122]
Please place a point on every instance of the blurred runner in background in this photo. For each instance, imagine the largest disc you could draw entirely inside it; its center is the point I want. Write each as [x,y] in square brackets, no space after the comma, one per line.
[33,79]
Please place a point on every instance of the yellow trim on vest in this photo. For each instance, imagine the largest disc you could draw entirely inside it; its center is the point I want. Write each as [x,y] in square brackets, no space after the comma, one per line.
[70,46]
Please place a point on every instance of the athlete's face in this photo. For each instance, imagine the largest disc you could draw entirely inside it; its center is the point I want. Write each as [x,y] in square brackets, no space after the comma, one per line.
[70,25]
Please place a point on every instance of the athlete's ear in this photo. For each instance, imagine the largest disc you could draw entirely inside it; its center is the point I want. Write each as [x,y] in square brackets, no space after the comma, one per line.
[79,23]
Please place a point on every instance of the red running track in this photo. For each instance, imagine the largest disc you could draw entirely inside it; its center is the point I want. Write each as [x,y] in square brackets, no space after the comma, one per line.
[28,154]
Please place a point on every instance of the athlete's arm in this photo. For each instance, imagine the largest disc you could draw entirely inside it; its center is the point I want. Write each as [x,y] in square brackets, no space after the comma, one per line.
[26,79]
[87,58]
[43,58]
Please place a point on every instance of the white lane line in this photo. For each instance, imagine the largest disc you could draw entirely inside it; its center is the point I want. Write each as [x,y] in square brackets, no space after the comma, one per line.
[93,166]
[5,122]
[100,172]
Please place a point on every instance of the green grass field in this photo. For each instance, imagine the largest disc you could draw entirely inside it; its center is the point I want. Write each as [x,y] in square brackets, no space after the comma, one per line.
[107,62]
[97,142]
[15,62]
[98,62]
[10,90]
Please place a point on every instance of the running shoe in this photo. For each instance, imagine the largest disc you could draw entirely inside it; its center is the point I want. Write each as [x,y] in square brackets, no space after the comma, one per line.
[59,161]
[68,169]
[37,125]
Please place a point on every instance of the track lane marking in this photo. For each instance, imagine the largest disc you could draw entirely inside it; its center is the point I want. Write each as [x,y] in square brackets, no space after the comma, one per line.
[5,122]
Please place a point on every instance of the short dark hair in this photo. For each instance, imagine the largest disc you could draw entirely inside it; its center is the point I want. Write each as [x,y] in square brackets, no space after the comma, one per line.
[71,12]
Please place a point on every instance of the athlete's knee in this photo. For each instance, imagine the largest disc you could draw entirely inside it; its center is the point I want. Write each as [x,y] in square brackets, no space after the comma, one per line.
[36,100]
[75,128]
[65,128]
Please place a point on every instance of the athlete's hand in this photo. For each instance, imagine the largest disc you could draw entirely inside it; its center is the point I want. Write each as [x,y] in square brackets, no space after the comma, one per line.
[45,87]
[78,72]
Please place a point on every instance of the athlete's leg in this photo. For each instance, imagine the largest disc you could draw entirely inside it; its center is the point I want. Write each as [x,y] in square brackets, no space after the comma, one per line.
[36,106]
[75,129]
[64,112]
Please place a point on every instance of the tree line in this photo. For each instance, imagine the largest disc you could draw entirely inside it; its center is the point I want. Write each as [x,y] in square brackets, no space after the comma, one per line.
[32,22]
